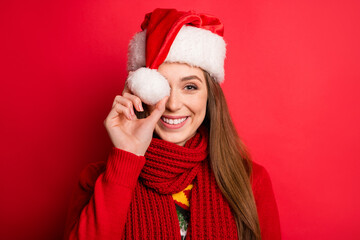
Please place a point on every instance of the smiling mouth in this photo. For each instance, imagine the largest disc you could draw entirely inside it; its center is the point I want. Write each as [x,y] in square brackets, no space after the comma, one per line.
[173,121]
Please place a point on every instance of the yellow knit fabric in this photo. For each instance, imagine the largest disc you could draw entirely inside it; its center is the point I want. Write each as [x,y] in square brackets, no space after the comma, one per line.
[181,197]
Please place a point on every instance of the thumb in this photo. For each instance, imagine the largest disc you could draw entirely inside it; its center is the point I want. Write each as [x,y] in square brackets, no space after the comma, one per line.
[158,111]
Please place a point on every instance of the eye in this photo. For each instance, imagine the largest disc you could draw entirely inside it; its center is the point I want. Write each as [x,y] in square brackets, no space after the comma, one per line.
[191,87]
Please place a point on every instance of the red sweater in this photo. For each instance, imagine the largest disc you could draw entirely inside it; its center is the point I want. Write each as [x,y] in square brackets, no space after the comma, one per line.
[102,198]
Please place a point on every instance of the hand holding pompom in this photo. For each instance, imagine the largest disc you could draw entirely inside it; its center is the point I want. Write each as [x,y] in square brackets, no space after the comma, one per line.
[126,131]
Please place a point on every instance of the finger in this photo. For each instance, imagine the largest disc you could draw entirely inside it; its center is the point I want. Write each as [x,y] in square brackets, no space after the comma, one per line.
[117,97]
[120,109]
[124,101]
[126,88]
[158,111]
[135,100]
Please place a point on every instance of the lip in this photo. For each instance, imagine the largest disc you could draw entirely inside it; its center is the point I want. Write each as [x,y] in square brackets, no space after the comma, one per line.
[174,126]
[173,117]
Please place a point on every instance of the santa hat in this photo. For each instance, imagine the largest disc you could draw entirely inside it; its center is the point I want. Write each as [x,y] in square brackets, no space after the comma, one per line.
[169,35]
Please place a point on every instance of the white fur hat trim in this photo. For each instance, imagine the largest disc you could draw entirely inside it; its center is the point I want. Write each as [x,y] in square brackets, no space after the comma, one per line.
[201,48]
[137,51]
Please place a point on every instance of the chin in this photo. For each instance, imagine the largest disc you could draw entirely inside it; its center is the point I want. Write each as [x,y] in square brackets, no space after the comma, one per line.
[178,138]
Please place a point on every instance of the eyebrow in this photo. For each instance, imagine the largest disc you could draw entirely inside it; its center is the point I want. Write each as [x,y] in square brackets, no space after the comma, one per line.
[190,77]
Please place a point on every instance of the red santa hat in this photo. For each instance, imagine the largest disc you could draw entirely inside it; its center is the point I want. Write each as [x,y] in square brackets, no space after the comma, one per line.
[169,35]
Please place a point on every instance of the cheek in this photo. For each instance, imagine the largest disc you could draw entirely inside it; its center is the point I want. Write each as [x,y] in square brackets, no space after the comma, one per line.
[199,105]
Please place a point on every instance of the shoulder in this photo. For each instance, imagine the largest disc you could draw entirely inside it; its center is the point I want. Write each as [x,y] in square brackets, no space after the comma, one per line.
[265,203]
[90,173]
[258,174]
[260,181]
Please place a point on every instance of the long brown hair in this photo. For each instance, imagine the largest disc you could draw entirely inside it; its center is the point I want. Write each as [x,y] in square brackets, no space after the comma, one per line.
[230,162]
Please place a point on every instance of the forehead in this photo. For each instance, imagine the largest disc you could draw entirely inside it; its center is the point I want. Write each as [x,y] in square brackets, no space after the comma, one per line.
[177,71]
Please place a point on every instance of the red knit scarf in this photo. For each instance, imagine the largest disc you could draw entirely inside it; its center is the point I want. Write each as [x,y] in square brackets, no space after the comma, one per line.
[170,168]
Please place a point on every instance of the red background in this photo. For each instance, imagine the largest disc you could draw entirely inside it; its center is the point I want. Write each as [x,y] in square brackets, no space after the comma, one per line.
[292,84]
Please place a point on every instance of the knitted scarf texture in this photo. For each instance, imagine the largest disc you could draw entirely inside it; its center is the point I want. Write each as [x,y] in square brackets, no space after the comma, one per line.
[170,168]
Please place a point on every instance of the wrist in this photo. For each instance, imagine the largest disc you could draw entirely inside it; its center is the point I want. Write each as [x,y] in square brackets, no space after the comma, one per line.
[123,167]
[132,150]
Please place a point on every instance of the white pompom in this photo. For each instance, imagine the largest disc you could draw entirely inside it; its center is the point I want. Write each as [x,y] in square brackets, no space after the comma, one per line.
[149,85]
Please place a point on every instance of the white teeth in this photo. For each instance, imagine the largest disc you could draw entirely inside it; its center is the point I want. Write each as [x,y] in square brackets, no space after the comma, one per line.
[173,121]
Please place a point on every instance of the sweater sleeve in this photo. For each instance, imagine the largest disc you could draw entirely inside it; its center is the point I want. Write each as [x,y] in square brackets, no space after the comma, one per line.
[266,204]
[101,200]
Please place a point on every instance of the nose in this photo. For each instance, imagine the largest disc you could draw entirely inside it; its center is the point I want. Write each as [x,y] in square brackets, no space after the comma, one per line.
[174,102]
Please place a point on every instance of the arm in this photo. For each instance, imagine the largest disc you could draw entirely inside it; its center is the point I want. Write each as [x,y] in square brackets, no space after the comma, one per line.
[265,204]
[100,202]
[102,199]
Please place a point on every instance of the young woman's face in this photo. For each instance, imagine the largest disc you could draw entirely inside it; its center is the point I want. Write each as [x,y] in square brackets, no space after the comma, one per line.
[186,107]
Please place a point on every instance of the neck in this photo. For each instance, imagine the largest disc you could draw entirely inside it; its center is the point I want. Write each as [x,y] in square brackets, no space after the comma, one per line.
[181,144]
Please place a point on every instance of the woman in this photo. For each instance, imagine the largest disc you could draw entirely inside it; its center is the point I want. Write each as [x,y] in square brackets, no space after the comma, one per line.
[177,168]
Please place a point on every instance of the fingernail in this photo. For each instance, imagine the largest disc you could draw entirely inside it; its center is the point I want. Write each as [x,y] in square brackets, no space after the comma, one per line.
[132,112]
[140,107]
